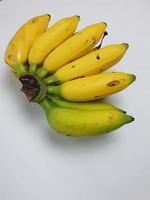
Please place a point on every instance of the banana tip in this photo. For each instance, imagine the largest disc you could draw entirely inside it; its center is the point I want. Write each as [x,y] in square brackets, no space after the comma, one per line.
[104,23]
[129,119]
[77,16]
[124,111]
[126,45]
[133,77]
[132,119]
[49,15]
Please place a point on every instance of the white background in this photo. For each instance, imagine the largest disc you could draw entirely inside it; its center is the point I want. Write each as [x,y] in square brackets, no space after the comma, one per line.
[38,164]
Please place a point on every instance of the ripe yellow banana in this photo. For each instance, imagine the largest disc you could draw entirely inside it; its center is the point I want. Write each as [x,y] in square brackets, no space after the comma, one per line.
[74,47]
[77,123]
[94,62]
[92,87]
[50,39]
[95,105]
[18,48]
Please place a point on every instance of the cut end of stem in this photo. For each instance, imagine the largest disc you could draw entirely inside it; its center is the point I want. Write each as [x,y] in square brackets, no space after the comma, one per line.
[30,86]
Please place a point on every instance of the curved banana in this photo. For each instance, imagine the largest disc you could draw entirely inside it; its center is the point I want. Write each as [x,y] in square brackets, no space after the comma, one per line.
[96,105]
[75,47]
[50,39]
[92,87]
[77,123]
[19,46]
[94,62]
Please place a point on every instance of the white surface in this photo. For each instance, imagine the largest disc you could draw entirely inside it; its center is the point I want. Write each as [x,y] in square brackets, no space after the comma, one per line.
[37,164]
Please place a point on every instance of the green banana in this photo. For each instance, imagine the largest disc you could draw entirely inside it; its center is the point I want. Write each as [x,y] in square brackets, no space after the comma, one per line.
[77,123]
[95,105]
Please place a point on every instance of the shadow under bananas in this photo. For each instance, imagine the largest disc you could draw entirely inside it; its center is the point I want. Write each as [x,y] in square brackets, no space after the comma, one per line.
[80,145]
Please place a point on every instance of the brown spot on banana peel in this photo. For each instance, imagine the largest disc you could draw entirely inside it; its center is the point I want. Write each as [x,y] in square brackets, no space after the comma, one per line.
[78,77]
[96,97]
[110,117]
[34,20]
[113,83]
[9,56]
[98,57]
[86,41]
[94,40]
[101,70]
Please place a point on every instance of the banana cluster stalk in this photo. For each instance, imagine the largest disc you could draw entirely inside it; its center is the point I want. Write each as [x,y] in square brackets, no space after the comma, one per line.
[63,71]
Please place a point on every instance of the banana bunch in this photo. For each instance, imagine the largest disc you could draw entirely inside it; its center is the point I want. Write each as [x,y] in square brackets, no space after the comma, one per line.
[62,70]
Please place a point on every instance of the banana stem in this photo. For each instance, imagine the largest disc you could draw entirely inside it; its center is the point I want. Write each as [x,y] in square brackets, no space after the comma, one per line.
[42,72]
[32,68]
[54,90]
[20,70]
[42,91]
[46,104]
[100,45]
[50,80]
